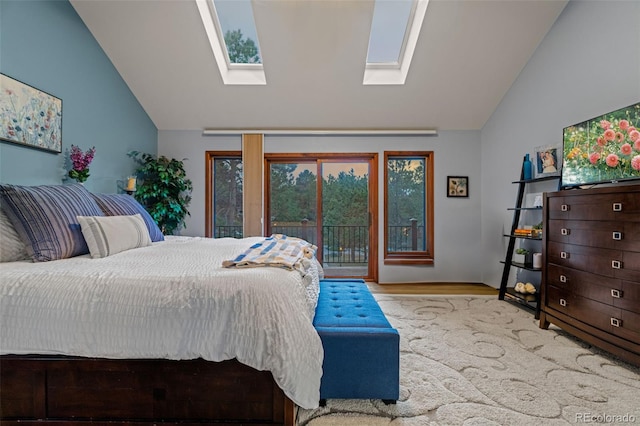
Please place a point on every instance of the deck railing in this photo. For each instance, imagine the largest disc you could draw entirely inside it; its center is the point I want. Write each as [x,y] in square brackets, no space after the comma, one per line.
[343,244]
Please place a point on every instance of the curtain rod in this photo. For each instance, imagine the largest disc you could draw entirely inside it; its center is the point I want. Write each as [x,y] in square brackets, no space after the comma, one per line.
[302,132]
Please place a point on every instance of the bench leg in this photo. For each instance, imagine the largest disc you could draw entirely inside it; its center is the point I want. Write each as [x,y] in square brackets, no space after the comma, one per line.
[389,401]
[323,402]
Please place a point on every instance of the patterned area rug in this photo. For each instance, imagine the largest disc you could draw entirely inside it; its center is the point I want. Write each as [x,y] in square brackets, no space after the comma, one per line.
[480,361]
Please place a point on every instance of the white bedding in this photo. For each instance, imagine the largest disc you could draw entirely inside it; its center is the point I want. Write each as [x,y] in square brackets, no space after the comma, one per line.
[170,300]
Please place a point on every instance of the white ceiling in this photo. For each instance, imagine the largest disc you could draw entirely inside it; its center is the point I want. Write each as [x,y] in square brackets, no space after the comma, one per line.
[468,54]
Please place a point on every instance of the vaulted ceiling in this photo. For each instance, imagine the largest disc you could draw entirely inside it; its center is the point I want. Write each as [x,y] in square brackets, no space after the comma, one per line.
[468,54]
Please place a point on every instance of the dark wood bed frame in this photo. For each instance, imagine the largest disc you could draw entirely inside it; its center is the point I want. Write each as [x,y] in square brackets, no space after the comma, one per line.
[36,390]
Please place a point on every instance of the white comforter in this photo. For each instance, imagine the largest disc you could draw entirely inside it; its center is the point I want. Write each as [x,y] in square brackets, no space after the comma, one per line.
[170,300]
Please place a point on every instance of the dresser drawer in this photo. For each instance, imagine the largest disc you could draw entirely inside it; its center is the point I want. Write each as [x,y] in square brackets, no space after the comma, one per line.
[616,321]
[591,286]
[630,297]
[606,234]
[628,327]
[585,310]
[616,207]
[610,291]
[599,261]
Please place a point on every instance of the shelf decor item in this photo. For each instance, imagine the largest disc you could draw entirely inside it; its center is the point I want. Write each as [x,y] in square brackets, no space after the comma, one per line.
[29,116]
[526,168]
[548,160]
[458,186]
[80,163]
[523,256]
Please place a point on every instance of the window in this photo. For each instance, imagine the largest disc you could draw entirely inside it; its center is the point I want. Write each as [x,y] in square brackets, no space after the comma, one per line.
[233,38]
[408,207]
[239,31]
[394,34]
[224,181]
[388,31]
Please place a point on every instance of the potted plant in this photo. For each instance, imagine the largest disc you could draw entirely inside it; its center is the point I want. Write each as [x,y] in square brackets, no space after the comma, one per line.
[164,190]
[523,256]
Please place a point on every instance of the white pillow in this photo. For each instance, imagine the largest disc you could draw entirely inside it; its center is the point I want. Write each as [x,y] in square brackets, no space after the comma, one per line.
[107,235]
[12,248]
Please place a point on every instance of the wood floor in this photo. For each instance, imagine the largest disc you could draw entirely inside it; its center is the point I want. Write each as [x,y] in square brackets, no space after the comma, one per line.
[434,288]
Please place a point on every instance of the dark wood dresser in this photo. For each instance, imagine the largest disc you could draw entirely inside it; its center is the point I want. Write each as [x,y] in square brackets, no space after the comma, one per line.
[591,267]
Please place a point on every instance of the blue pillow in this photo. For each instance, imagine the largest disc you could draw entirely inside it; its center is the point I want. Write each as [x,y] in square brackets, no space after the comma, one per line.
[126,205]
[45,218]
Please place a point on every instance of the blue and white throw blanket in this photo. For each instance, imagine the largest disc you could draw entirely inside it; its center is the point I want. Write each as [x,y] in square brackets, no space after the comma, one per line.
[278,250]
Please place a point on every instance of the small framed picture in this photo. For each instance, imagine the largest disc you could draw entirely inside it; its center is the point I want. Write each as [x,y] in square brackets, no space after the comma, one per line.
[547,160]
[458,186]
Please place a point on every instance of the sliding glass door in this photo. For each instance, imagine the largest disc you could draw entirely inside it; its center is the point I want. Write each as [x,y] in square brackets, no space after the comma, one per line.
[326,199]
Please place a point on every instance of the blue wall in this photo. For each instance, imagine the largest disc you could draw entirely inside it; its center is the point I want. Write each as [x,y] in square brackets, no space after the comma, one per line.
[46,45]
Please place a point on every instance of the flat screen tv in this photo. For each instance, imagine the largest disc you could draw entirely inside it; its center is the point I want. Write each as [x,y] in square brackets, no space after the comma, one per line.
[604,149]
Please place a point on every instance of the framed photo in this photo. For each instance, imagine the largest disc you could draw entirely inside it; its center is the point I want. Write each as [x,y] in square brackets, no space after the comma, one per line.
[458,186]
[29,116]
[547,160]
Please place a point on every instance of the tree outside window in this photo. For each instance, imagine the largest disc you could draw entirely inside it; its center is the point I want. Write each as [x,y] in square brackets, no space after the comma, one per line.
[408,207]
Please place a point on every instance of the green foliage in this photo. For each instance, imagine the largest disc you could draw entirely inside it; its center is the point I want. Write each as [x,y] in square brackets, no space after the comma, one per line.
[241,50]
[345,199]
[292,199]
[227,192]
[165,190]
[406,191]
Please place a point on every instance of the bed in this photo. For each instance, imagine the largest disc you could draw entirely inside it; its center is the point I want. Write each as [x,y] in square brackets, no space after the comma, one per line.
[159,333]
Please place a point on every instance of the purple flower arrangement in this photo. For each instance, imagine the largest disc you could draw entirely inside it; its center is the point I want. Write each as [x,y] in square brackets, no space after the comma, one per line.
[80,161]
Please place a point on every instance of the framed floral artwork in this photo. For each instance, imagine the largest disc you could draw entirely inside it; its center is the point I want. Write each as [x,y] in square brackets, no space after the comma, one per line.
[458,186]
[29,116]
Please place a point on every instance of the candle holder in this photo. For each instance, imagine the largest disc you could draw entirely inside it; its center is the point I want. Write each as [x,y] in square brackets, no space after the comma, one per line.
[131,185]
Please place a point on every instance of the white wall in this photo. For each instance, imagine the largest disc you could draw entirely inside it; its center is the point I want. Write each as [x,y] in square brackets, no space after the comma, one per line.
[587,65]
[457,221]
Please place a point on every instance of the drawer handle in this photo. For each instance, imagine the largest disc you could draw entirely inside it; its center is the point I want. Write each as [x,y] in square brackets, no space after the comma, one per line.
[563,302]
[616,322]
[564,255]
[617,207]
[563,278]
[616,264]
[616,293]
[565,231]
[617,235]
[564,207]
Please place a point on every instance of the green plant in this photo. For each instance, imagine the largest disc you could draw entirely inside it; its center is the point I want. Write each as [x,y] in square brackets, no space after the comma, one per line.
[522,251]
[164,191]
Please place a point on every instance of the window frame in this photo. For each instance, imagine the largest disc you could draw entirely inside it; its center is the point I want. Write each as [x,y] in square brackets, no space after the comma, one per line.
[419,257]
[210,157]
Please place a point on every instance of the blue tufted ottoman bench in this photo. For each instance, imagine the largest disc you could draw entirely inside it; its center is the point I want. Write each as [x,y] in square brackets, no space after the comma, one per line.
[361,349]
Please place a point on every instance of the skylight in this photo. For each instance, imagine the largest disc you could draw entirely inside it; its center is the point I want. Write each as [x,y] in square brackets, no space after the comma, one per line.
[395,29]
[239,31]
[388,30]
[233,37]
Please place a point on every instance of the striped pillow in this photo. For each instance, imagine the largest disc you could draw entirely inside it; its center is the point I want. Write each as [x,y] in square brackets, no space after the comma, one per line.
[107,235]
[45,218]
[11,246]
[123,204]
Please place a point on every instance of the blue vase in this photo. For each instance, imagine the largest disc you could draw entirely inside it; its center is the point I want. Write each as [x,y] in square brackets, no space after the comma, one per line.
[526,168]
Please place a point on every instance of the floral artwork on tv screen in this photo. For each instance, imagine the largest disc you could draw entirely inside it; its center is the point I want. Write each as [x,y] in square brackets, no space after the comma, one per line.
[603,149]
